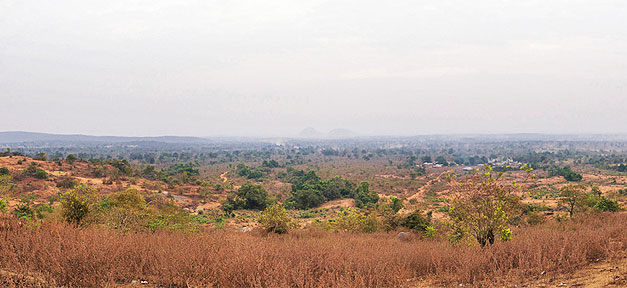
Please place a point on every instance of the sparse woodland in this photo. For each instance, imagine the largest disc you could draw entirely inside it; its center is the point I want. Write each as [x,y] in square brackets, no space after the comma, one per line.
[316,216]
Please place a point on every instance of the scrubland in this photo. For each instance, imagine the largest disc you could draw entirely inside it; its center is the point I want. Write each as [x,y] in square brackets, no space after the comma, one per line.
[55,255]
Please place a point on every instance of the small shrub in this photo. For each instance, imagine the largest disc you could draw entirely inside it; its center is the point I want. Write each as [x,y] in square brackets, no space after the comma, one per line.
[607,205]
[364,198]
[70,158]
[275,219]
[534,218]
[38,173]
[429,232]
[416,221]
[4,171]
[3,206]
[77,203]
[66,182]
[23,211]
[352,221]
[42,211]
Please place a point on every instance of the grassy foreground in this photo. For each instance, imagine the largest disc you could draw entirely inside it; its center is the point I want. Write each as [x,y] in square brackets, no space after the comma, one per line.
[60,255]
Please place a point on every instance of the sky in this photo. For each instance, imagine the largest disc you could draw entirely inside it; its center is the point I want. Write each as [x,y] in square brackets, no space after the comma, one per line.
[273,68]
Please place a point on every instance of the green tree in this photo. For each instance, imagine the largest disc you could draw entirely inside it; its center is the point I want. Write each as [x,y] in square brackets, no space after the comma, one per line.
[572,196]
[306,198]
[41,156]
[251,196]
[396,204]
[481,206]
[255,195]
[364,198]
[70,159]
[596,191]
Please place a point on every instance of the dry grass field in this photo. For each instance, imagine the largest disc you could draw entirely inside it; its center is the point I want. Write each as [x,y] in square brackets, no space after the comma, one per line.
[57,255]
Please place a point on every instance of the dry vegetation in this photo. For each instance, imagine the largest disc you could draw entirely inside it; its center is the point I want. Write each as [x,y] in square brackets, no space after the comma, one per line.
[176,232]
[61,255]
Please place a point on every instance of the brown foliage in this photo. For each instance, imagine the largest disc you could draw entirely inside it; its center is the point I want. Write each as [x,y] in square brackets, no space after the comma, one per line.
[62,255]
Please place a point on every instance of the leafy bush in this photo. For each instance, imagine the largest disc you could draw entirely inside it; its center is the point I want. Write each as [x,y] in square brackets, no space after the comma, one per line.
[66,182]
[364,198]
[481,205]
[534,218]
[352,221]
[416,221]
[306,198]
[125,210]
[43,210]
[275,219]
[396,204]
[255,195]
[565,172]
[4,171]
[23,211]
[168,216]
[70,158]
[3,206]
[429,232]
[309,191]
[607,205]
[41,156]
[33,171]
[250,173]
[249,196]
[77,203]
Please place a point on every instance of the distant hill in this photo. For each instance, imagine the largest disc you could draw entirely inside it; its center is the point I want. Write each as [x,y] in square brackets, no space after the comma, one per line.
[32,137]
[310,132]
[341,133]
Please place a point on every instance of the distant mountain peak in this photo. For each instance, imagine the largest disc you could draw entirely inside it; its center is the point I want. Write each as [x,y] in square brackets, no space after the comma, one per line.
[310,132]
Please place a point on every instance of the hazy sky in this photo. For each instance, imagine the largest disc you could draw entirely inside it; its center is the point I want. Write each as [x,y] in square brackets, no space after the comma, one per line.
[254,68]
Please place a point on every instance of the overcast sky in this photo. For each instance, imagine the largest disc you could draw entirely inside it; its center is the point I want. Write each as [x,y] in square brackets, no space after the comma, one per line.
[255,68]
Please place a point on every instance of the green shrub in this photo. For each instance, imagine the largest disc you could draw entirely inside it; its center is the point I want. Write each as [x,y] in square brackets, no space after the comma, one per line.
[42,211]
[4,171]
[249,196]
[66,182]
[70,158]
[352,221]
[306,198]
[33,171]
[396,204]
[275,219]
[24,211]
[77,203]
[3,206]
[416,221]
[534,218]
[429,232]
[607,205]
[364,198]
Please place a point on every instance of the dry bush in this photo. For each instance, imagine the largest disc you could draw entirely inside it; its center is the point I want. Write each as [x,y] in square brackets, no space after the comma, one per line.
[62,255]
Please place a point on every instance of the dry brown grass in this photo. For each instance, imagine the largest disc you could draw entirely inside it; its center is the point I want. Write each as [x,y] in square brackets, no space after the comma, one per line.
[60,255]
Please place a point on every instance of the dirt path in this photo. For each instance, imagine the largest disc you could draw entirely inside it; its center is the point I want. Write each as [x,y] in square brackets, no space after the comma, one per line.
[223,176]
[608,273]
[423,189]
